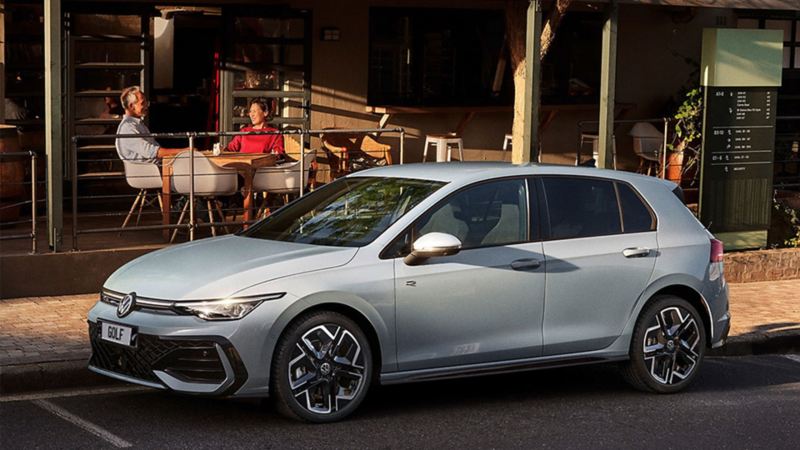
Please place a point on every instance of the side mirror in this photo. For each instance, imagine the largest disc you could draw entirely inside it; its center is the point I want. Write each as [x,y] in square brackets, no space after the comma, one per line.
[431,245]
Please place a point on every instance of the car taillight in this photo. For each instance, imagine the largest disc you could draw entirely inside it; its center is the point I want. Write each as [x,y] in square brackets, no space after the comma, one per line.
[716,250]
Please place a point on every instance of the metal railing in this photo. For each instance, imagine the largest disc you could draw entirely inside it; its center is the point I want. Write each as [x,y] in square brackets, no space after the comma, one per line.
[193,224]
[18,204]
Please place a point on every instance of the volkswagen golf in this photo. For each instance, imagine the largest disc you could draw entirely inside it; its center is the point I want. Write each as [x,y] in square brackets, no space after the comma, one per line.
[423,272]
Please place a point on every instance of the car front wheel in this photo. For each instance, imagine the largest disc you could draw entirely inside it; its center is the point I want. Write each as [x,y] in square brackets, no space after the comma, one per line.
[322,368]
[667,347]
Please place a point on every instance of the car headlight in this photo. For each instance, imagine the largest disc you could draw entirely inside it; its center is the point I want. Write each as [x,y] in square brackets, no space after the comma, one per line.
[224,309]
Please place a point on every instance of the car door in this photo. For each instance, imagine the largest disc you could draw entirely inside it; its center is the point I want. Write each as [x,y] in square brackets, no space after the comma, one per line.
[484,303]
[599,258]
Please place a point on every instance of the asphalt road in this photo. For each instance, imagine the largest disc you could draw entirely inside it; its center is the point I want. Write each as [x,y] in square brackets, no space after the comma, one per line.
[745,402]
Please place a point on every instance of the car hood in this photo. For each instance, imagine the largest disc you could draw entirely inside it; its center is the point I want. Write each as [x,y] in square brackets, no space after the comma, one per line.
[220,267]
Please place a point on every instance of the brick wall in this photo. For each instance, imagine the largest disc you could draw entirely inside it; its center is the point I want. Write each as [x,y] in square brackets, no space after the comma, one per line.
[762,265]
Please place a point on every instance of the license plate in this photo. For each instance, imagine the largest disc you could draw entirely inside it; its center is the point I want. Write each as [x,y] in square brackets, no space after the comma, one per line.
[118,334]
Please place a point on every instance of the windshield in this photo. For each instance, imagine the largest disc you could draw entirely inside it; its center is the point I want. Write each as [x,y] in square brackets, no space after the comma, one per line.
[349,212]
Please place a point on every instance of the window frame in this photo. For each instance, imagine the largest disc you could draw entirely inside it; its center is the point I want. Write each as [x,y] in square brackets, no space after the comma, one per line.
[414,229]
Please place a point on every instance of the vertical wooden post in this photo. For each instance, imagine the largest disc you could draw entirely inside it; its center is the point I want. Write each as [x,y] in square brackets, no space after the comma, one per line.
[608,73]
[529,150]
[53,126]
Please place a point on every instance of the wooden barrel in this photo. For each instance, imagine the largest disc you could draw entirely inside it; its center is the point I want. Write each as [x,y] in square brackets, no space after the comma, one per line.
[12,174]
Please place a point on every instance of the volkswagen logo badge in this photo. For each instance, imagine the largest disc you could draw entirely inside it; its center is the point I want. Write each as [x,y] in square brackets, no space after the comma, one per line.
[126,305]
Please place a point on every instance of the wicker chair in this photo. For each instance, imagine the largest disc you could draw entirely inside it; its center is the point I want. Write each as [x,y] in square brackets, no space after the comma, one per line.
[344,149]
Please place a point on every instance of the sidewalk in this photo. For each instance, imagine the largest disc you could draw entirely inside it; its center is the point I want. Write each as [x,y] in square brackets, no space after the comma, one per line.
[43,342]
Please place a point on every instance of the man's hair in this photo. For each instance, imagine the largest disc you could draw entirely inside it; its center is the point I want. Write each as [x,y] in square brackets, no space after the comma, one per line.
[128,96]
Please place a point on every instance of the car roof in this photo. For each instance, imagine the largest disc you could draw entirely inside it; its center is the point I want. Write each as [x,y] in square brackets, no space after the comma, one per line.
[467,172]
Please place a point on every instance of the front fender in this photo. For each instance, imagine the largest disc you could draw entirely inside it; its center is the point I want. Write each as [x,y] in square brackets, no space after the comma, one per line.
[386,342]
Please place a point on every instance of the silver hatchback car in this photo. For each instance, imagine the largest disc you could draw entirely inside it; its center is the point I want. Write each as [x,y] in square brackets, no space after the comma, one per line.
[422,272]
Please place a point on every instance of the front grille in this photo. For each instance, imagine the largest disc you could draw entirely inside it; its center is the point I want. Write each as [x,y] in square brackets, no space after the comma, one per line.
[188,360]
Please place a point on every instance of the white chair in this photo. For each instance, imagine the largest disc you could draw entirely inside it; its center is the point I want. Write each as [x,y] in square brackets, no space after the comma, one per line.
[442,142]
[210,181]
[648,143]
[594,140]
[145,177]
[282,179]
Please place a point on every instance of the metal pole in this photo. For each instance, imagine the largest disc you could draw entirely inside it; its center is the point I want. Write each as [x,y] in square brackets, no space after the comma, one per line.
[33,202]
[191,189]
[664,151]
[74,149]
[402,145]
[302,164]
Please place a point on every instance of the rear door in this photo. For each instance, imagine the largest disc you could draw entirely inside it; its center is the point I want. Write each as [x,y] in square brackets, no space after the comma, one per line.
[599,258]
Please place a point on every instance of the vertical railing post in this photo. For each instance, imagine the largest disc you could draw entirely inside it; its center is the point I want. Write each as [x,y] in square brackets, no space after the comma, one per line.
[74,170]
[664,151]
[191,188]
[33,202]
[402,145]
[302,162]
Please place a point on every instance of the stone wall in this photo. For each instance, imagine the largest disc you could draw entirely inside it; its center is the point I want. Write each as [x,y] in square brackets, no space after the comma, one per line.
[762,265]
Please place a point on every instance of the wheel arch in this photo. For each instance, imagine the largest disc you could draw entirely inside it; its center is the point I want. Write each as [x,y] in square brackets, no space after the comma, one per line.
[694,298]
[357,309]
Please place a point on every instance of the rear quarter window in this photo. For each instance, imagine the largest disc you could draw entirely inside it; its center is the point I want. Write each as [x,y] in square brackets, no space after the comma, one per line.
[636,216]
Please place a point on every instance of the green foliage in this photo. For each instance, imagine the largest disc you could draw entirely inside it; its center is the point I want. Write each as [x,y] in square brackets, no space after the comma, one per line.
[689,119]
[785,228]
[687,133]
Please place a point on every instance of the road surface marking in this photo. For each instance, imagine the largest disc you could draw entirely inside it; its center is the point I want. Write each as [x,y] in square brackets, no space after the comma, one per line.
[72,393]
[86,425]
[795,358]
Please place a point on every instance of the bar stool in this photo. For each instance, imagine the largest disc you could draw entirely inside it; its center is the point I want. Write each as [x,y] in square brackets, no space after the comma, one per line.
[507,141]
[442,142]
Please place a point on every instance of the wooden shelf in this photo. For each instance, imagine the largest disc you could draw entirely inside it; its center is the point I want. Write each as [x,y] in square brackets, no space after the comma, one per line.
[247,93]
[97,121]
[98,93]
[110,65]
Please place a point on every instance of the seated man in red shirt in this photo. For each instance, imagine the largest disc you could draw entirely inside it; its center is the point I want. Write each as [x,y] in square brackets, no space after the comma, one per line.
[257,143]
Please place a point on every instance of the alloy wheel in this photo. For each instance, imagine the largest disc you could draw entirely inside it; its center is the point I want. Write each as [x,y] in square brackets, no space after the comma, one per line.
[326,369]
[670,345]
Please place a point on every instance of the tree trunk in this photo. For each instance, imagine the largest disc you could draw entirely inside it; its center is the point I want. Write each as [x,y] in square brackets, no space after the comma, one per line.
[516,13]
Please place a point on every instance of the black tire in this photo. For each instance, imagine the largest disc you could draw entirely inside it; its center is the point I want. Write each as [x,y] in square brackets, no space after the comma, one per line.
[329,377]
[667,347]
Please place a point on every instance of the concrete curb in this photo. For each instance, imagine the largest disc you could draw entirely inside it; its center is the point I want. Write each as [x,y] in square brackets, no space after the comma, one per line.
[26,378]
[48,375]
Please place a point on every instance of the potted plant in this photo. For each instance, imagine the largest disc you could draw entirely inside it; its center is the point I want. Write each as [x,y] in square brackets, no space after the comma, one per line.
[686,144]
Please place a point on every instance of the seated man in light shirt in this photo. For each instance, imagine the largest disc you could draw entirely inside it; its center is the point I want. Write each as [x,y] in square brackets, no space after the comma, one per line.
[144,149]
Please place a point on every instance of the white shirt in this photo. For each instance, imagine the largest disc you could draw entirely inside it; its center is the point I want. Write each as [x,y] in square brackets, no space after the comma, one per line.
[135,149]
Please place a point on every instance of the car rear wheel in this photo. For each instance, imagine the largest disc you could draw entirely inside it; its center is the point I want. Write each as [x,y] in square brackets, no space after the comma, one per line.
[322,368]
[667,347]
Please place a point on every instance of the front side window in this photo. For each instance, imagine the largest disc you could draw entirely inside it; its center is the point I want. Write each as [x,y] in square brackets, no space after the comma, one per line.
[350,212]
[489,214]
[581,207]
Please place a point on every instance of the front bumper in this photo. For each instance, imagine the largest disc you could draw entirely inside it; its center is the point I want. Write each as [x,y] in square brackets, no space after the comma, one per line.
[197,364]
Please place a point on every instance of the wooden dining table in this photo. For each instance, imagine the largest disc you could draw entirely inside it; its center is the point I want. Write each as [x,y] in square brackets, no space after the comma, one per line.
[245,164]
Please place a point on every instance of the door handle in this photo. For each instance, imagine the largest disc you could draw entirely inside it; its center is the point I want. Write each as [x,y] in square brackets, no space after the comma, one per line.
[635,252]
[529,263]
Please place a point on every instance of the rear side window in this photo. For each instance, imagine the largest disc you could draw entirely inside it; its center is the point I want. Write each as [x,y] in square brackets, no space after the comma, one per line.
[636,217]
[581,207]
